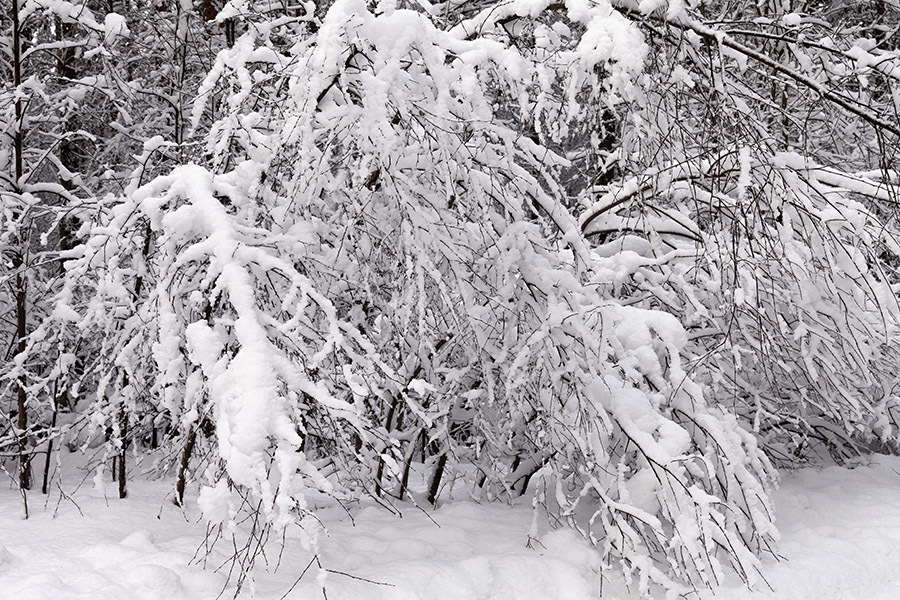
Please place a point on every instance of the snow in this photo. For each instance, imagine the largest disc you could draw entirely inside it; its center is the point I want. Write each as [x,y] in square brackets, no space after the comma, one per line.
[840,539]
[116,27]
[840,532]
[791,20]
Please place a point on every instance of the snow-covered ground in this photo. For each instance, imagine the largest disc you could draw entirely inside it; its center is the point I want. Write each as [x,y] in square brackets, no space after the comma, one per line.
[840,540]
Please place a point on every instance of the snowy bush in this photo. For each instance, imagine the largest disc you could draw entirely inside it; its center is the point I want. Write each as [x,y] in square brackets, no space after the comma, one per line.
[374,266]
[781,264]
[392,246]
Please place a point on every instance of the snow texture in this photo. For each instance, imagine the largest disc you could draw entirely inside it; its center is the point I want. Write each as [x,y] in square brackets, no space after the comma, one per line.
[841,534]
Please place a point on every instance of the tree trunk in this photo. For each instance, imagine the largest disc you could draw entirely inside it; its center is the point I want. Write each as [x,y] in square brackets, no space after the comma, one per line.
[404,480]
[387,425]
[119,465]
[19,259]
[183,467]
[50,443]
[123,435]
[17,81]
[436,478]
[22,397]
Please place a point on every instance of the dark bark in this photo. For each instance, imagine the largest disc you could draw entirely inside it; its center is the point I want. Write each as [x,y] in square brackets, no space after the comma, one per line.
[436,478]
[18,260]
[183,467]
[404,480]
[123,434]
[17,81]
[22,397]
[45,479]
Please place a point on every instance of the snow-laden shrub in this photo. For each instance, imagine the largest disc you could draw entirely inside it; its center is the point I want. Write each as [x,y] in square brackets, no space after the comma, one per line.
[751,196]
[785,289]
[375,266]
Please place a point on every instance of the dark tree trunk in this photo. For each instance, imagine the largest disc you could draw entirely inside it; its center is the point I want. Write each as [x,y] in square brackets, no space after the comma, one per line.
[123,433]
[46,477]
[185,463]
[436,478]
[18,260]
[17,81]
[22,398]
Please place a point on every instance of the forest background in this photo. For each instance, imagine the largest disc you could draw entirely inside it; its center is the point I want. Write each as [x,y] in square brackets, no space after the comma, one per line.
[627,258]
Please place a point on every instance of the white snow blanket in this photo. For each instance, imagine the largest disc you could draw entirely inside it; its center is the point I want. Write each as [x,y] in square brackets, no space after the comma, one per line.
[840,540]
